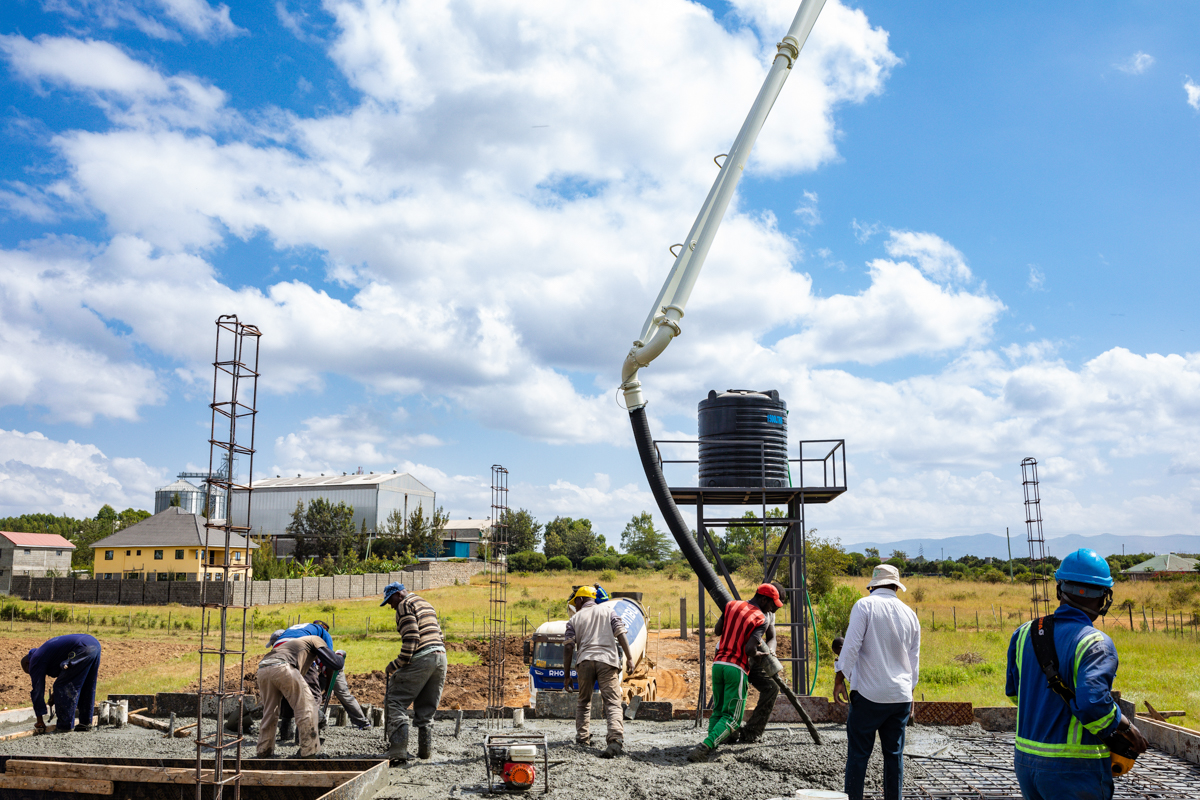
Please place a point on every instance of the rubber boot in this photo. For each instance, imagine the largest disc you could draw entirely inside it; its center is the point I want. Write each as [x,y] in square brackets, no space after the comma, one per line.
[615,748]
[699,753]
[285,729]
[425,742]
[398,747]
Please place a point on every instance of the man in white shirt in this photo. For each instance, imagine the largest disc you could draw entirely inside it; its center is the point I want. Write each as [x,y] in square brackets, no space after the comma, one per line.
[881,655]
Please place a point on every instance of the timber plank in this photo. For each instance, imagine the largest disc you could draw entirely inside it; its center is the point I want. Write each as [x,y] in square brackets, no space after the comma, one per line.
[174,775]
[35,783]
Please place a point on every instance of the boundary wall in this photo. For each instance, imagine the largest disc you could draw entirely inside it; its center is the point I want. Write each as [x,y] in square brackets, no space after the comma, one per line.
[126,591]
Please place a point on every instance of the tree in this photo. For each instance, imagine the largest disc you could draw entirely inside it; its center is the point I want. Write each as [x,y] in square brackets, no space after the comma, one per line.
[872,552]
[523,530]
[266,566]
[175,501]
[573,538]
[419,535]
[825,559]
[640,538]
[322,529]
[748,539]
[900,554]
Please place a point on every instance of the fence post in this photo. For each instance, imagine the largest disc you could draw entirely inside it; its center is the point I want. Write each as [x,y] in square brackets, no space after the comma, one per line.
[954,610]
[683,631]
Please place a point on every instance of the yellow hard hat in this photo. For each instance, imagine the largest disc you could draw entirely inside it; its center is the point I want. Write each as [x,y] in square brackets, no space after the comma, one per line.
[584,591]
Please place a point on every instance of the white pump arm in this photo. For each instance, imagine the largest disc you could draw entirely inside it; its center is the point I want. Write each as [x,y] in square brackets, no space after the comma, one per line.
[662,325]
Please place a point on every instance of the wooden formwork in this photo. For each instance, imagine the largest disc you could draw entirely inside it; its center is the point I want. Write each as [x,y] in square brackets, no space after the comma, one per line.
[66,778]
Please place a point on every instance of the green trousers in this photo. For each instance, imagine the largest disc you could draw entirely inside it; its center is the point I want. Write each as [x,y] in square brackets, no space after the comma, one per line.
[729,685]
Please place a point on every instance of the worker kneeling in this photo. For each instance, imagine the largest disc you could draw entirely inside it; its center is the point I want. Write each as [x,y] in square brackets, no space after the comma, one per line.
[74,663]
[741,627]
[1071,735]
[596,629]
[281,675]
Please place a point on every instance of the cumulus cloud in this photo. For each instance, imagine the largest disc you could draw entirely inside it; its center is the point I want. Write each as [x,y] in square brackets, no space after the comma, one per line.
[129,91]
[161,19]
[1136,64]
[936,257]
[69,478]
[1193,93]
[1037,278]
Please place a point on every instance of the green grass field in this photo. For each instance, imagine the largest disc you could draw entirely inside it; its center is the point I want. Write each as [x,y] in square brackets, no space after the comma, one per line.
[965,631]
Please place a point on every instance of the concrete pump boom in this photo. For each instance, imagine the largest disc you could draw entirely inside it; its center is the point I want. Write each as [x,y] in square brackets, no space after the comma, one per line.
[662,325]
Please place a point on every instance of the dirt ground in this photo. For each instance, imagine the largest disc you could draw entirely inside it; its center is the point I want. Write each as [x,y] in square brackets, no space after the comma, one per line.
[117,657]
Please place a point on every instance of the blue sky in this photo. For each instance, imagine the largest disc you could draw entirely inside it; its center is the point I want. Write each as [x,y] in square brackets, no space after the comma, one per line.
[965,237]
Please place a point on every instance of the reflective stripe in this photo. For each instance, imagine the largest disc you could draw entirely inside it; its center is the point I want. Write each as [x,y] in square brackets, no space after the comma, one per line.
[1022,635]
[1084,644]
[1094,728]
[1061,750]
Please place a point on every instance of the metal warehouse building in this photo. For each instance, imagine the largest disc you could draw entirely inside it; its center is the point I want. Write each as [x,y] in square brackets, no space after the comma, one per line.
[374,496]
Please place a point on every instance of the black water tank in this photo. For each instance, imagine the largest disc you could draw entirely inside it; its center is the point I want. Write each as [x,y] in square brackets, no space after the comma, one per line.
[738,428]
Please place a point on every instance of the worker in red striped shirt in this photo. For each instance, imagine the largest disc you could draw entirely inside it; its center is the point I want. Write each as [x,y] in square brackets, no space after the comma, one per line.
[741,628]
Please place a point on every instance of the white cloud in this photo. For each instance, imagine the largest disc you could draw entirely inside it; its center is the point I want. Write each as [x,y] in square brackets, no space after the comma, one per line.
[161,19]
[68,477]
[807,211]
[130,92]
[1193,93]
[936,257]
[1136,64]
[863,231]
[1037,279]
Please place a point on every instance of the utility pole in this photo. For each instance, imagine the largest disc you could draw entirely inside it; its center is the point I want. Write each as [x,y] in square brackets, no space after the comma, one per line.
[1010,569]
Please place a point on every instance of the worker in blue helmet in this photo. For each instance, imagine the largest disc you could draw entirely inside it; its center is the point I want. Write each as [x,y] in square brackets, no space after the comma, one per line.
[1060,676]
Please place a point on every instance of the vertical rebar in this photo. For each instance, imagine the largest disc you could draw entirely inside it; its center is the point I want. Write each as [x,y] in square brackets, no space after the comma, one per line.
[235,394]
[497,622]
[1039,583]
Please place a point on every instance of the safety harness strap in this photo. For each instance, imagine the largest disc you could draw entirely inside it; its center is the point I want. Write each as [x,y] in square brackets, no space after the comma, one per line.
[1042,638]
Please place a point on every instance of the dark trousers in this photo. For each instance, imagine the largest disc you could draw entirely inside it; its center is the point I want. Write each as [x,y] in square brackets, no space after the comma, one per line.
[1063,778]
[75,688]
[767,692]
[313,679]
[866,718]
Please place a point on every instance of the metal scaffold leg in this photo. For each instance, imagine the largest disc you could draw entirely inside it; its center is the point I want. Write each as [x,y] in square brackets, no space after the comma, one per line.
[497,573]
[226,556]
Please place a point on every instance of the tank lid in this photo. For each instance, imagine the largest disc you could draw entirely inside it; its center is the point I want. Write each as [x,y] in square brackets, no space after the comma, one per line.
[771,393]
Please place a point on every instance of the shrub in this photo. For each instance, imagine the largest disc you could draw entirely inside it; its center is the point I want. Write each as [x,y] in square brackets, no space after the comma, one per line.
[594,563]
[526,561]
[945,675]
[558,564]
[992,575]
[835,610]
[734,561]
[629,562]
[919,595]
[607,575]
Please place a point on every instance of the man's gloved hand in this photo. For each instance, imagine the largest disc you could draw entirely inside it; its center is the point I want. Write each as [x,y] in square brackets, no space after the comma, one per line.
[341,653]
[1131,734]
[389,670]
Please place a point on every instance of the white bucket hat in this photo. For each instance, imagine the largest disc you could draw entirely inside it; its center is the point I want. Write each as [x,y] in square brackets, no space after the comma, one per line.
[885,575]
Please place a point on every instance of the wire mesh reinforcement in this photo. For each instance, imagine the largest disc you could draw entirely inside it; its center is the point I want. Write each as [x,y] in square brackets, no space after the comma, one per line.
[235,394]
[1039,584]
[497,575]
[981,768]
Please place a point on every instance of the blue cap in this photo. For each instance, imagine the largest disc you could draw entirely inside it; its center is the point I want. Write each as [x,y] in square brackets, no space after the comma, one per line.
[389,590]
[275,638]
[1086,567]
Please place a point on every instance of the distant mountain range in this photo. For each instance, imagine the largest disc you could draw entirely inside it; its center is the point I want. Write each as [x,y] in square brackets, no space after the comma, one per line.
[983,545]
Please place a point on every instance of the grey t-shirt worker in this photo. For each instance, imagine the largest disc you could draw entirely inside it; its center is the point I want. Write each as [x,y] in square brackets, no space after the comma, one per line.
[281,675]
[597,630]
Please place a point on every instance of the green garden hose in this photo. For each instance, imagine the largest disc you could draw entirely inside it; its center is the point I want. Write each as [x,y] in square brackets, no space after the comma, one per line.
[816,644]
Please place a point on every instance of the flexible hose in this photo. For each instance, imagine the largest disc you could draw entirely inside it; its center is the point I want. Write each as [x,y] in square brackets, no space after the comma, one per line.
[666,504]
[816,644]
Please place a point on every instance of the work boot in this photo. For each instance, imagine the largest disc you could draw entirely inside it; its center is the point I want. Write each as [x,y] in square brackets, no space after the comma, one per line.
[615,748]
[398,747]
[699,753]
[84,728]
[424,742]
[747,736]
[285,729]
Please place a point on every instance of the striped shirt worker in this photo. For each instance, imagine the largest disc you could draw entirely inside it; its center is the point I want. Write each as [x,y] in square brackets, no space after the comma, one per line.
[417,624]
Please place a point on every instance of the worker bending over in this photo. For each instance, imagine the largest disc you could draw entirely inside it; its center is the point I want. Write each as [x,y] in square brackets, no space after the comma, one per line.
[318,681]
[768,691]
[741,627]
[881,658]
[281,676]
[416,676]
[597,629]
[74,663]
[1060,675]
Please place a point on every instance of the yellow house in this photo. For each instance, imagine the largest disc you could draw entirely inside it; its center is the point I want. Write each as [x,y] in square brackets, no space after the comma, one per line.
[172,545]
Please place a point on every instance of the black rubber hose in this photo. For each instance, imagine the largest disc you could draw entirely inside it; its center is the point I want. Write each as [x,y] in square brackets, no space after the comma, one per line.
[666,504]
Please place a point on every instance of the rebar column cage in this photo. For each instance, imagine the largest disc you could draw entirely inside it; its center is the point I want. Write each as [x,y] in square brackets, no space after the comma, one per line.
[827,468]
[497,574]
[235,394]
[1039,584]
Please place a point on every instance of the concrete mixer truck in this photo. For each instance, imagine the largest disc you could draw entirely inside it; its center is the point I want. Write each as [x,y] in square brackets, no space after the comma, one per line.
[544,654]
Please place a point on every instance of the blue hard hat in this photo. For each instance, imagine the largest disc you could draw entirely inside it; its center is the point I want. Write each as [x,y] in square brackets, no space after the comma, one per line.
[389,590]
[1086,567]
